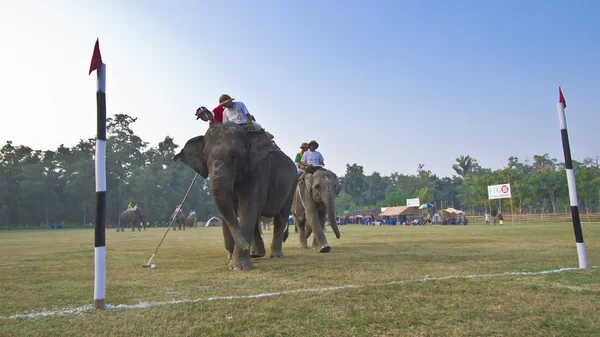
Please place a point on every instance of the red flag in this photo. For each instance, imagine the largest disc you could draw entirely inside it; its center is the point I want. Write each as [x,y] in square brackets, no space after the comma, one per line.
[96,58]
[561,98]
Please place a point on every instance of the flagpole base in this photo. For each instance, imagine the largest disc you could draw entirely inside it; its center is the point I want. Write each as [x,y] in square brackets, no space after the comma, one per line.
[582,255]
[99,304]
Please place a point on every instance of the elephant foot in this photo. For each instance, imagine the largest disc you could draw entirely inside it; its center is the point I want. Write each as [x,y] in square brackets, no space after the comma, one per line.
[304,246]
[325,249]
[257,254]
[240,265]
[276,254]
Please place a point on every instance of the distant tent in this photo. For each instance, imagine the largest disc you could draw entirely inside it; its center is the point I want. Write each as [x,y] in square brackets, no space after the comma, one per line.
[214,221]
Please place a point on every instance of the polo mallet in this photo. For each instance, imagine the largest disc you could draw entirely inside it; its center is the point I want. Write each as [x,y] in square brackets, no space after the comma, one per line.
[170,224]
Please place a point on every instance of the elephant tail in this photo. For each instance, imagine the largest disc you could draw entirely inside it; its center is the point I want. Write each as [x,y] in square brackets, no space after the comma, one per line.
[286,231]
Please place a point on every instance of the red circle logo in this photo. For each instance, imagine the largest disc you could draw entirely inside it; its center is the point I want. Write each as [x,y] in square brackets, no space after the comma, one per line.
[504,189]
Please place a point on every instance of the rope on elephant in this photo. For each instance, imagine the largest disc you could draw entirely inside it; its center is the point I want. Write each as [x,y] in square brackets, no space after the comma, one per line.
[300,195]
[172,221]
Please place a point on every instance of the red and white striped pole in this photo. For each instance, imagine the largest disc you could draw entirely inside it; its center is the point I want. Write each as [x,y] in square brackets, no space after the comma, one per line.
[560,106]
[99,232]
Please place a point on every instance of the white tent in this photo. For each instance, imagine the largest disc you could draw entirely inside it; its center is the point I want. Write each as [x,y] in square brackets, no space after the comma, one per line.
[214,221]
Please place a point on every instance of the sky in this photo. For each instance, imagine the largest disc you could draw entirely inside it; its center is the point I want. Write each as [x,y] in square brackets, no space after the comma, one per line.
[388,85]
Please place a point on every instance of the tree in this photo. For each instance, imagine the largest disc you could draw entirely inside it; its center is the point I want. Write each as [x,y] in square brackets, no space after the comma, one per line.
[376,187]
[355,183]
[465,165]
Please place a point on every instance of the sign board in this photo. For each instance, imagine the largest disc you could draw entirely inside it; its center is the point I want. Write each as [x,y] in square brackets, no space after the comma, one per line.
[413,202]
[499,191]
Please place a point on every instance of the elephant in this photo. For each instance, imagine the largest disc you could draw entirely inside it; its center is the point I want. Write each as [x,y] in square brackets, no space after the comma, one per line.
[190,222]
[249,178]
[313,200]
[265,224]
[132,217]
[179,220]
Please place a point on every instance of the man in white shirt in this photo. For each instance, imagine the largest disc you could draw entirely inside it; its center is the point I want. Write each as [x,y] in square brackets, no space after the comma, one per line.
[236,112]
[312,159]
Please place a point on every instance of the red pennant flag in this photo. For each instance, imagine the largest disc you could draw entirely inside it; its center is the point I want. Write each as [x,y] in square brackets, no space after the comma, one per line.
[96,58]
[561,98]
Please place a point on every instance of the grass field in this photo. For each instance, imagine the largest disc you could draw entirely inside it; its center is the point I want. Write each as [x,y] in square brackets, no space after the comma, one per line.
[392,278]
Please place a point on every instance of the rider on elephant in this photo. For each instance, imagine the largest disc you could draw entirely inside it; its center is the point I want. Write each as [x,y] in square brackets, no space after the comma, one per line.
[313,160]
[237,112]
[216,117]
[177,210]
[129,206]
[301,167]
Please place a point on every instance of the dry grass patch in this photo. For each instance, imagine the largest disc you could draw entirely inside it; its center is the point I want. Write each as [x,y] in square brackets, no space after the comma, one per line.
[54,270]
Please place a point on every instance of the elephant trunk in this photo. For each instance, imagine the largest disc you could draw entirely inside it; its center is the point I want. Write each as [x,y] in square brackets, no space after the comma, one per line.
[329,202]
[222,197]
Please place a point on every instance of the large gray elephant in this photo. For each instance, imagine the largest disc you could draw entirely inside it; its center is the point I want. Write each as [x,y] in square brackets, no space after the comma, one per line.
[134,218]
[313,200]
[249,178]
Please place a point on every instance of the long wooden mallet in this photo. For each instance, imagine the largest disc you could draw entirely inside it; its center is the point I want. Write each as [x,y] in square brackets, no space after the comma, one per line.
[171,224]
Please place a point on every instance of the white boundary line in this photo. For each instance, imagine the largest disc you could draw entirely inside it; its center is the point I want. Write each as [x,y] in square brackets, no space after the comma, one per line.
[143,305]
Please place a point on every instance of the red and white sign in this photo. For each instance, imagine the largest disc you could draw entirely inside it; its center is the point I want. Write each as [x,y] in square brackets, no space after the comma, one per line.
[499,191]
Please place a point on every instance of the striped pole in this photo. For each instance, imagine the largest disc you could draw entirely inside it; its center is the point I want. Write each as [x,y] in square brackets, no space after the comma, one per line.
[561,105]
[99,232]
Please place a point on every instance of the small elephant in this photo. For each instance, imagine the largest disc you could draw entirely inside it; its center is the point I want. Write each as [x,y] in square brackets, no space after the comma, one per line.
[133,217]
[249,178]
[314,199]
[179,220]
[190,222]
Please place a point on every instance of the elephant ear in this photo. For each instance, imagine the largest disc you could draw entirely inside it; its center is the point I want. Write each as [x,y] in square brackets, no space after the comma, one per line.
[338,186]
[308,183]
[259,147]
[192,155]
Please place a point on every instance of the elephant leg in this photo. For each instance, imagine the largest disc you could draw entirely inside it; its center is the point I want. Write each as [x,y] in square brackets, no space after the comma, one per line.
[314,220]
[228,238]
[315,244]
[308,232]
[277,243]
[257,247]
[301,225]
[251,200]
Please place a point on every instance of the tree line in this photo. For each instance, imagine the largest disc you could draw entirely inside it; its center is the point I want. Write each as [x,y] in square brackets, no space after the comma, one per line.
[59,186]
[537,186]
[45,186]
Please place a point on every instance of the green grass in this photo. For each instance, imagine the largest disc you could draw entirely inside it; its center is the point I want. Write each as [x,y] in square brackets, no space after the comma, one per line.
[53,270]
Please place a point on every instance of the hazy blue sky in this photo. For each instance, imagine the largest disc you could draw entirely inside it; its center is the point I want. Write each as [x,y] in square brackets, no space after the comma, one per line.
[385,84]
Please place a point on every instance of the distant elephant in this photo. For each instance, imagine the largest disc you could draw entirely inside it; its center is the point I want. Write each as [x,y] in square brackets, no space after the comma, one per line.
[134,218]
[249,177]
[265,223]
[179,220]
[313,200]
[190,222]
